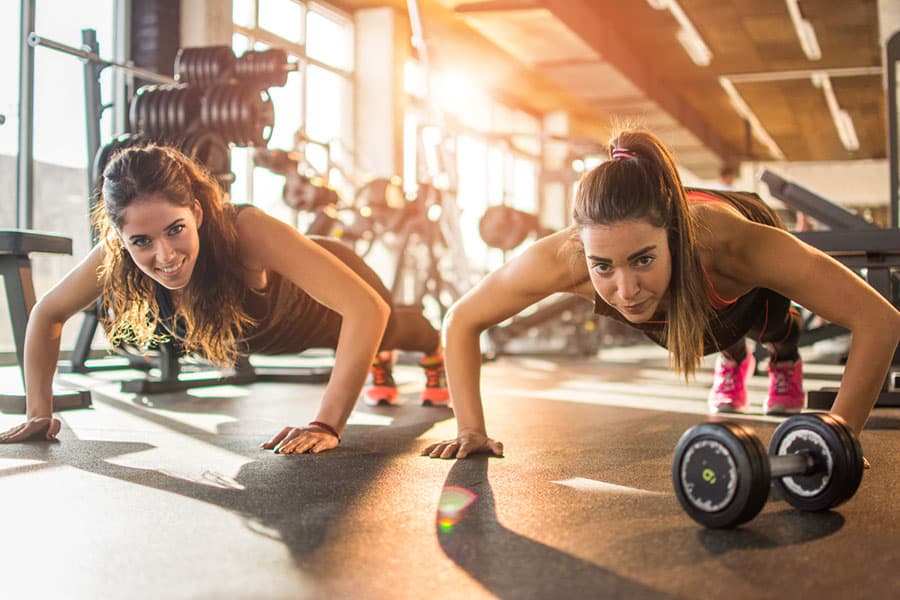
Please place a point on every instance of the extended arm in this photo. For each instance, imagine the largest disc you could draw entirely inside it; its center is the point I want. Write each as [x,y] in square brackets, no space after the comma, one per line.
[547,267]
[775,259]
[42,338]
[271,244]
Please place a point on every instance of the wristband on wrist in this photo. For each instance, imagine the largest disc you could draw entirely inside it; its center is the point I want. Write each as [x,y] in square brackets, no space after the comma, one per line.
[327,428]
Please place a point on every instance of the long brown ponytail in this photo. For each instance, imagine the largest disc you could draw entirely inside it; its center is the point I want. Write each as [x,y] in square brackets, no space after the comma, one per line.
[641,182]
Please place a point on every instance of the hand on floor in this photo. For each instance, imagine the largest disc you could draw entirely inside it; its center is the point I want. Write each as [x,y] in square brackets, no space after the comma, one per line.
[39,428]
[468,442]
[298,440]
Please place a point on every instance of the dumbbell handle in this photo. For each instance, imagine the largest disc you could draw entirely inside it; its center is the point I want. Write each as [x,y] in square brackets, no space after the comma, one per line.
[799,463]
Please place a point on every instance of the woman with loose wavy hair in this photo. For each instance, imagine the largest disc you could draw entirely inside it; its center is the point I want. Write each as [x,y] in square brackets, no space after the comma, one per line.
[698,271]
[178,264]
[212,306]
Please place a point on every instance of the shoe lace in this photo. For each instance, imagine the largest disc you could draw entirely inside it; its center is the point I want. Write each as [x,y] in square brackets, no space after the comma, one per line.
[434,376]
[381,373]
[783,378]
[728,377]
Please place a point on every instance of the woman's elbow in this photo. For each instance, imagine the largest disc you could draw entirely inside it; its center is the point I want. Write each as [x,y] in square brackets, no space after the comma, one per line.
[458,321]
[896,326]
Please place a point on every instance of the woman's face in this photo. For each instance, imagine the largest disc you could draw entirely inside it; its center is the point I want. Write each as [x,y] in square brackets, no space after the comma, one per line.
[630,266]
[162,239]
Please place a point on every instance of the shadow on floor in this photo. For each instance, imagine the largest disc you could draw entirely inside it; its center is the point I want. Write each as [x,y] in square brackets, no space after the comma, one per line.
[294,499]
[510,565]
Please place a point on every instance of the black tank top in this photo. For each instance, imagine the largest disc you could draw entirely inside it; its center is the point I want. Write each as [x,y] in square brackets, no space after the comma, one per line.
[733,319]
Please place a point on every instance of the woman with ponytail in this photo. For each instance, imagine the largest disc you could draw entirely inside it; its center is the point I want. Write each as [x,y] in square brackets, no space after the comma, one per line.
[698,271]
[175,262]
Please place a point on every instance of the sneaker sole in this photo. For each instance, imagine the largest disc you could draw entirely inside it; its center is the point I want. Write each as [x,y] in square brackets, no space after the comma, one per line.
[381,402]
[435,404]
[780,410]
[729,410]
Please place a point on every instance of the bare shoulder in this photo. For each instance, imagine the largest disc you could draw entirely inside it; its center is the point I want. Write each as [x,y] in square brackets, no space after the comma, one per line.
[255,227]
[711,214]
[720,228]
[248,217]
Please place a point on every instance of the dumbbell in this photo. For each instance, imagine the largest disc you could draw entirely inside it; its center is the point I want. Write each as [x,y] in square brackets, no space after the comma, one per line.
[722,474]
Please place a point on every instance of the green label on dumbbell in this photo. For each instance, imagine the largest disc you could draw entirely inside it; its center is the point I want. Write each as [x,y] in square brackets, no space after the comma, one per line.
[709,476]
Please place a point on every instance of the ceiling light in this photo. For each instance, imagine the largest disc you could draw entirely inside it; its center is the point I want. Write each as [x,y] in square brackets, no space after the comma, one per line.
[843,123]
[805,31]
[687,35]
[759,132]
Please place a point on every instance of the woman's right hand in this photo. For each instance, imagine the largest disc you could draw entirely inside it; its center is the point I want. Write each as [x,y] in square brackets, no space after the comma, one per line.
[38,428]
[466,443]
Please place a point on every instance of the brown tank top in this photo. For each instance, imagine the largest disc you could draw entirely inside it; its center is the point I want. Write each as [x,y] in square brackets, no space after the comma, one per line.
[287,319]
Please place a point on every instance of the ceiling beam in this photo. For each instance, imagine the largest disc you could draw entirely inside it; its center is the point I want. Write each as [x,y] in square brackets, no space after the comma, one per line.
[497,6]
[593,29]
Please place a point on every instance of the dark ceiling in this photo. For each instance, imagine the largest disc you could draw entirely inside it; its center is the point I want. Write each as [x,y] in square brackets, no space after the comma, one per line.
[608,61]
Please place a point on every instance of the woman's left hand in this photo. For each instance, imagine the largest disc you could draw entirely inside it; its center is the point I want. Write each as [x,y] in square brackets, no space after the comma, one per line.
[299,440]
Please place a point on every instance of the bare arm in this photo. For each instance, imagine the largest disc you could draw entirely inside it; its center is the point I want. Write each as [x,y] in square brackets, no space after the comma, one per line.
[773,258]
[545,268]
[271,244]
[42,338]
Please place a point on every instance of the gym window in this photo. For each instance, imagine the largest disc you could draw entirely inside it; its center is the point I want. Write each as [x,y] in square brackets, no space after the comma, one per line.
[314,110]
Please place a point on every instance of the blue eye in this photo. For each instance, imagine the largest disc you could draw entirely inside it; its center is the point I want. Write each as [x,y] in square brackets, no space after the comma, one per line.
[176,229]
[140,242]
[602,267]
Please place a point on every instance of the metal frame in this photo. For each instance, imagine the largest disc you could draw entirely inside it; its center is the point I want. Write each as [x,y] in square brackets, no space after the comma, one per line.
[15,268]
[803,200]
[25,160]
[892,57]
[870,250]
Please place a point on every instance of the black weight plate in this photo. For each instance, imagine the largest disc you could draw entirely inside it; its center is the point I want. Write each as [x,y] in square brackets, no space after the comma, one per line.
[224,63]
[236,124]
[134,110]
[247,116]
[837,454]
[211,103]
[853,452]
[720,474]
[166,95]
[267,118]
[151,108]
[181,75]
[275,73]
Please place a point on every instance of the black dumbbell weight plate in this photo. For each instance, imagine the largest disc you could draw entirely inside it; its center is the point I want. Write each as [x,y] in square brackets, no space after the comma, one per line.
[837,454]
[720,474]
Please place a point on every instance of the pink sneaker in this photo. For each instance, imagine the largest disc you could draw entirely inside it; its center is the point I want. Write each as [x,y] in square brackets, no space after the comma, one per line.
[382,389]
[729,391]
[435,392]
[785,388]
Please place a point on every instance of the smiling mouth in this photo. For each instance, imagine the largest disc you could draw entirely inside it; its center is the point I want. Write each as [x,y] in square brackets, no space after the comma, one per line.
[171,269]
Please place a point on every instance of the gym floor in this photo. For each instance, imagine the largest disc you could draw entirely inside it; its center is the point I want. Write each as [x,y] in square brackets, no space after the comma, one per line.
[168,496]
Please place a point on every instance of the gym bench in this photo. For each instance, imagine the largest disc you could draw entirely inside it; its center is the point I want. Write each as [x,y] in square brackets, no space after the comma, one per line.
[16,245]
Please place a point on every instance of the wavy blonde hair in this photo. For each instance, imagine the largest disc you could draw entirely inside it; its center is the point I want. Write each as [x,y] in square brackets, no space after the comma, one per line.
[211,308]
[646,186]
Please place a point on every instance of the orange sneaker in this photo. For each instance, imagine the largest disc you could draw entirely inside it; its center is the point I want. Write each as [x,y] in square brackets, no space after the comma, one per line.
[381,389]
[435,392]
